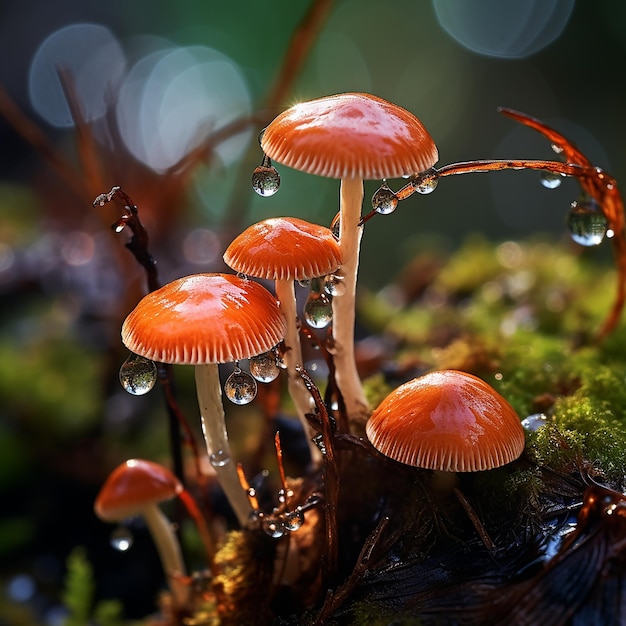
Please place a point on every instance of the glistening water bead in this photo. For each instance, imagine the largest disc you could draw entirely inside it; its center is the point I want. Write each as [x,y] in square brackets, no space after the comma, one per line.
[293,520]
[121,539]
[219,458]
[240,388]
[318,310]
[265,178]
[587,224]
[550,180]
[384,200]
[138,375]
[425,182]
[264,367]
[334,285]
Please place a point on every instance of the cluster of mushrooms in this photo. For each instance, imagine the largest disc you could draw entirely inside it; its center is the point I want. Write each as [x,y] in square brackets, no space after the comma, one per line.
[446,421]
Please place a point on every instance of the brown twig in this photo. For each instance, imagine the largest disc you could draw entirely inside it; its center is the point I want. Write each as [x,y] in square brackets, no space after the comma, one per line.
[334,599]
[331,480]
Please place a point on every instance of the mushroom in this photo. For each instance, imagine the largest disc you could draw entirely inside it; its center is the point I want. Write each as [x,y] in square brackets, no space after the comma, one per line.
[203,320]
[136,487]
[351,136]
[448,421]
[286,249]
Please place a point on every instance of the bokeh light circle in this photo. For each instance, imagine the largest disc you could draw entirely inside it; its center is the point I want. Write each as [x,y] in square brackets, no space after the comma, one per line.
[94,62]
[173,97]
[513,30]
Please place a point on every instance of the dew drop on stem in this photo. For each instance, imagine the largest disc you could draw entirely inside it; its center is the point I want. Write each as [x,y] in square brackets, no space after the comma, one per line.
[318,310]
[265,178]
[264,367]
[219,458]
[334,285]
[384,200]
[587,224]
[550,180]
[273,528]
[138,375]
[318,440]
[293,520]
[240,388]
[425,182]
[121,539]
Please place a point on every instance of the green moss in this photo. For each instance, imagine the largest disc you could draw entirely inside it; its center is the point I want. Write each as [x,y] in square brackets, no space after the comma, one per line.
[587,428]
[78,596]
[372,614]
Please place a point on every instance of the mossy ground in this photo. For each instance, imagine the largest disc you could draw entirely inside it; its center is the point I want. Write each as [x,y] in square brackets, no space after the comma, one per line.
[521,315]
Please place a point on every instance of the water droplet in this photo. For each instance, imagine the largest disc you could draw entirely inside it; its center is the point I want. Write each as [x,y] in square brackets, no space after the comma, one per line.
[273,528]
[535,421]
[264,367]
[335,225]
[138,375]
[550,180]
[121,539]
[293,520]
[318,440]
[304,282]
[586,223]
[240,387]
[265,178]
[251,492]
[334,285]
[318,310]
[425,182]
[219,458]
[384,200]
[556,148]
[119,226]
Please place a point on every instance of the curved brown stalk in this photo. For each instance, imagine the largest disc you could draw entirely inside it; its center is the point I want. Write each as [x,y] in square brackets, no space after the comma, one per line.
[595,183]
[603,189]
[331,481]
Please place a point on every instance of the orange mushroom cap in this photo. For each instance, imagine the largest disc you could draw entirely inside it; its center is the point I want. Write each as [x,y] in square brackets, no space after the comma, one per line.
[204,318]
[284,248]
[448,421]
[350,135]
[133,485]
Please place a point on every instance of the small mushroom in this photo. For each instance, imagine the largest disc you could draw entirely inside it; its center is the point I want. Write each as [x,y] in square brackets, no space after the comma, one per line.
[286,249]
[351,136]
[448,421]
[136,487]
[203,320]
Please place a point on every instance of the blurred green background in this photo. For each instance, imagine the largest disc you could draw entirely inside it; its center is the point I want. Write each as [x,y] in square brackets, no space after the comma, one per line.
[153,78]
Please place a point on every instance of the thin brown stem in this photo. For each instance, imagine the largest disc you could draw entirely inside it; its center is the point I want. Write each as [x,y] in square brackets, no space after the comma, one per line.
[331,481]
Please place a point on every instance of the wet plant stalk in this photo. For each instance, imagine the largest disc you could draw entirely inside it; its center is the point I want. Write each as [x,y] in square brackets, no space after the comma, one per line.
[331,482]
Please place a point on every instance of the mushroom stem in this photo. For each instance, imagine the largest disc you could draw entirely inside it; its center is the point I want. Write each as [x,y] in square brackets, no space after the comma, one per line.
[344,306]
[214,430]
[286,294]
[169,551]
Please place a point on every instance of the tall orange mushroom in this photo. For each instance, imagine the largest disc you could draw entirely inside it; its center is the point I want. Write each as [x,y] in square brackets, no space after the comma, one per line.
[286,249]
[203,320]
[351,136]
